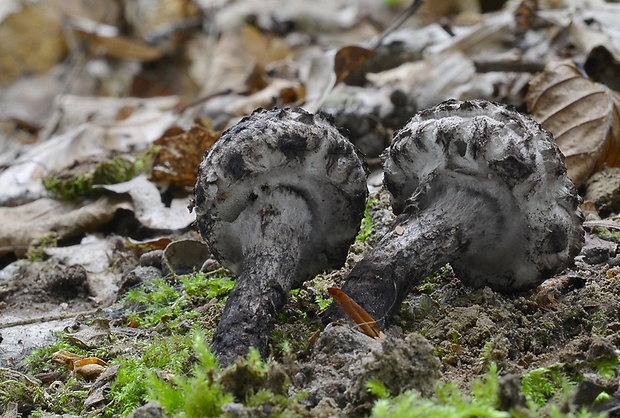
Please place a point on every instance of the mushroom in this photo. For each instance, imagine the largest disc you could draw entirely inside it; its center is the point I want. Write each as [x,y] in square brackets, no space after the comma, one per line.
[279,199]
[477,185]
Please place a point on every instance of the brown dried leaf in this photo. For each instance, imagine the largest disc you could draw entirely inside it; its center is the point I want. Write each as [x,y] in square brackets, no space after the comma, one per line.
[141,247]
[123,47]
[180,155]
[348,58]
[357,313]
[583,116]
[525,15]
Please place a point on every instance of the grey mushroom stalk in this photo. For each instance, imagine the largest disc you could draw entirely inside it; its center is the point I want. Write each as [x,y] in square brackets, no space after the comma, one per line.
[477,185]
[279,199]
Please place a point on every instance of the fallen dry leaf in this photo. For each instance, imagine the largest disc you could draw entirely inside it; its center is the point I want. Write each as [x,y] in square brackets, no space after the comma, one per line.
[350,57]
[88,128]
[21,226]
[32,40]
[319,78]
[180,153]
[89,336]
[357,313]
[583,116]
[141,247]
[223,66]
[93,253]
[106,40]
[263,48]
[149,208]
[152,20]
[89,368]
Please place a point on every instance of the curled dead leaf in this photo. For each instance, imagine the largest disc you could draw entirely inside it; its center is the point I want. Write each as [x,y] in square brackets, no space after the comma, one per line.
[583,116]
[86,367]
[89,367]
[362,318]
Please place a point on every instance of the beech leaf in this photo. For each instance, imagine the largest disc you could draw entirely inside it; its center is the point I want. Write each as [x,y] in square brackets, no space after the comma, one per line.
[180,154]
[583,116]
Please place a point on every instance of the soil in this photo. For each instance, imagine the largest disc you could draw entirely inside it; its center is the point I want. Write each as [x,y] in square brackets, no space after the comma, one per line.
[443,331]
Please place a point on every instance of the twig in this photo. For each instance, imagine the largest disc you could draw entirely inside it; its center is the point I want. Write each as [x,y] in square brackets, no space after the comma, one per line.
[406,14]
[200,100]
[603,223]
[48,318]
[516,66]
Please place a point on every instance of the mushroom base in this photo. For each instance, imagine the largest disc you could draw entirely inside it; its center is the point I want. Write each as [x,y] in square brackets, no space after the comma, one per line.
[273,227]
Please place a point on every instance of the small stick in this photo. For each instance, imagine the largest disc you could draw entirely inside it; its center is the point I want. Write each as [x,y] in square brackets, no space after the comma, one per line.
[200,100]
[49,318]
[406,14]
[516,66]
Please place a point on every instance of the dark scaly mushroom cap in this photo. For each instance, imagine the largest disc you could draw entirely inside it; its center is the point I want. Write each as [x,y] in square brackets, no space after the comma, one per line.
[287,149]
[483,148]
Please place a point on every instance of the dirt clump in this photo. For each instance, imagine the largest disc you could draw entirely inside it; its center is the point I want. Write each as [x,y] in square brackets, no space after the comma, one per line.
[344,360]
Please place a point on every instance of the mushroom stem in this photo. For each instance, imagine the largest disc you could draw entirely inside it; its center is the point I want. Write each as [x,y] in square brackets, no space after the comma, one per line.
[421,241]
[275,226]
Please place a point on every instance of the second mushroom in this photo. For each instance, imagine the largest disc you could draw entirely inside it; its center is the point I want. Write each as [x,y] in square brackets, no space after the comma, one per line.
[477,185]
[279,199]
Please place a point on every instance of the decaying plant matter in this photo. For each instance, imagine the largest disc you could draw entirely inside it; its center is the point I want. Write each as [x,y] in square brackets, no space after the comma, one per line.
[279,199]
[477,185]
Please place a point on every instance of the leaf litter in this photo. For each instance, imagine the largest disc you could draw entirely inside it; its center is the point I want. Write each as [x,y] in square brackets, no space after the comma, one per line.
[160,84]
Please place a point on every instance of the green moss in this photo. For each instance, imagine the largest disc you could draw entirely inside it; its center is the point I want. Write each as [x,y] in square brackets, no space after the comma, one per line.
[169,355]
[540,385]
[69,398]
[215,284]
[79,182]
[607,367]
[610,236]
[429,284]
[36,252]
[323,302]
[157,302]
[21,389]
[40,359]
[197,394]
[447,402]
[170,302]
[367,223]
